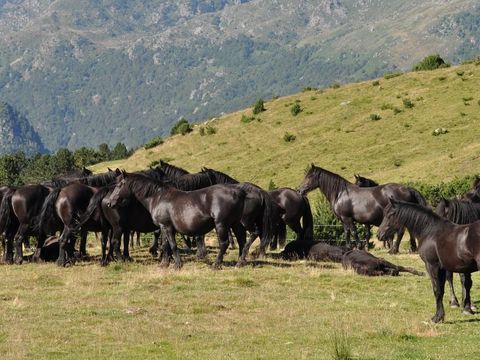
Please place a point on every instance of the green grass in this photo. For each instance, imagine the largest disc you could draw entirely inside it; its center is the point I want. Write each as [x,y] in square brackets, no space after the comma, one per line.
[335,132]
[274,310]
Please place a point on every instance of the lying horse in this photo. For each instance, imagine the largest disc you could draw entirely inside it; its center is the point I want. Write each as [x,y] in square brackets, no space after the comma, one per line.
[313,250]
[364,263]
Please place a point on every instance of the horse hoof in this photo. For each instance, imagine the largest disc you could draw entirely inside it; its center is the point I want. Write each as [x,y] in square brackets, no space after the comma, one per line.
[454,305]
[103,263]
[241,263]
[468,312]
[436,319]
[217,266]
[473,307]
[18,261]
[164,264]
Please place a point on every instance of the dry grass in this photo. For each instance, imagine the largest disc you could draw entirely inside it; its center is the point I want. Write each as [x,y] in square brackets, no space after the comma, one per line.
[272,310]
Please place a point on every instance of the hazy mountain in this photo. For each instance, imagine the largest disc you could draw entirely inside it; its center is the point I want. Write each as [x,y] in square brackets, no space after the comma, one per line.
[87,72]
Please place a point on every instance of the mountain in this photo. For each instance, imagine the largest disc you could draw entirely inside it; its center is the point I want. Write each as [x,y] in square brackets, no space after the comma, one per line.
[16,133]
[88,72]
[415,127]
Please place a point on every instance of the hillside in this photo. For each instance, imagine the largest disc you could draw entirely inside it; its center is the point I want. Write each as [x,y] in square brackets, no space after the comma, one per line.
[16,132]
[88,72]
[335,130]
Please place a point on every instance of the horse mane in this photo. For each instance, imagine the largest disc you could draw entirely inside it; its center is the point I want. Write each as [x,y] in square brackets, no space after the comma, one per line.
[368,182]
[99,180]
[143,186]
[156,173]
[462,212]
[330,183]
[416,217]
[172,171]
[219,177]
[189,182]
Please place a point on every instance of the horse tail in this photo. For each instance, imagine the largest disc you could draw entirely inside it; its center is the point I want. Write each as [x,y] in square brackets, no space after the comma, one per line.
[47,212]
[410,270]
[307,220]
[94,203]
[6,211]
[271,218]
[420,200]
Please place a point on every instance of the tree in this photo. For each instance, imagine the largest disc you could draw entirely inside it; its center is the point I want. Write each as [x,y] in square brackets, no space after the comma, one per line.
[181,127]
[62,162]
[258,107]
[85,157]
[431,62]
[11,166]
[119,152]
[104,152]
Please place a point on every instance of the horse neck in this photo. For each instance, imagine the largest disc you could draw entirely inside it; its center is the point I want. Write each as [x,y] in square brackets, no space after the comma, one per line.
[331,185]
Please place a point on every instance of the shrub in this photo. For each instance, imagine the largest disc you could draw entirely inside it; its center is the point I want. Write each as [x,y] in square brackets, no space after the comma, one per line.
[442,78]
[153,142]
[153,163]
[258,107]
[201,131]
[296,109]
[335,85]
[454,188]
[376,83]
[408,104]
[375,117]
[287,137]
[272,185]
[211,130]
[309,88]
[392,75]
[181,127]
[396,110]
[431,62]
[460,72]
[247,119]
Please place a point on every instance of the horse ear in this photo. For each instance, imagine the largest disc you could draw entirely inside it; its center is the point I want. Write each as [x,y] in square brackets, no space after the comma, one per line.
[312,165]
[356,176]
[110,170]
[123,173]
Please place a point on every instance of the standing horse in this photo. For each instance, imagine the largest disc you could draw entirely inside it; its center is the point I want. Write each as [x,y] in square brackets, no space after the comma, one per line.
[366,182]
[460,212]
[261,215]
[351,203]
[443,246]
[197,212]
[8,223]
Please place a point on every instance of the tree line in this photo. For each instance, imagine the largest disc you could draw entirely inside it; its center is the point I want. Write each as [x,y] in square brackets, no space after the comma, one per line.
[18,168]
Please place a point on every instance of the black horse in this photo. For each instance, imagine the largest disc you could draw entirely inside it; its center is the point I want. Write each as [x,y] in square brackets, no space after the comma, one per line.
[8,223]
[351,203]
[473,195]
[443,245]
[366,182]
[261,216]
[67,204]
[460,212]
[197,212]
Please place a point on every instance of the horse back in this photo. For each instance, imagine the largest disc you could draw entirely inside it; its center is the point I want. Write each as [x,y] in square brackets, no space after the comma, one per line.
[27,202]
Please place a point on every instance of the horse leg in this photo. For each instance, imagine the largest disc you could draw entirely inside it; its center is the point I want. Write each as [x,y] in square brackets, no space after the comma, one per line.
[453,298]
[126,250]
[222,236]
[139,244]
[241,235]
[437,276]
[187,241]
[132,239]
[413,244]
[106,236]
[201,250]
[8,248]
[154,247]
[165,251]
[83,244]
[368,235]
[169,234]
[231,240]
[18,242]
[62,241]
[243,257]
[346,231]
[396,243]
[466,286]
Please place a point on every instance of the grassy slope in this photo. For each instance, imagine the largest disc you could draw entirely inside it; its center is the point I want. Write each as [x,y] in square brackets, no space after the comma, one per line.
[335,131]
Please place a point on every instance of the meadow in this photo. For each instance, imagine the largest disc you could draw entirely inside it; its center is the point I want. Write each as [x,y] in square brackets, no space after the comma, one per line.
[271,309]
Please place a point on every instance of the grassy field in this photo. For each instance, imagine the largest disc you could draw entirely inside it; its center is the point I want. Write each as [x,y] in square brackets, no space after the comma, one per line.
[269,310]
[335,130]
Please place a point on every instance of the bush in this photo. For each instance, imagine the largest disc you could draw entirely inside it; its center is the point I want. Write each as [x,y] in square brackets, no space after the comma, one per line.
[454,188]
[201,131]
[211,130]
[335,85]
[287,137]
[272,185]
[392,75]
[153,142]
[431,62]
[296,109]
[376,83]
[258,107]
[375,117]
[309,88]
[408,104]
[396,110]
[247,119]
[181,127]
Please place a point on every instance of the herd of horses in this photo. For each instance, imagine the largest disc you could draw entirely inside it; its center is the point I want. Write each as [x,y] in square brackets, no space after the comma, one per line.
[168,200]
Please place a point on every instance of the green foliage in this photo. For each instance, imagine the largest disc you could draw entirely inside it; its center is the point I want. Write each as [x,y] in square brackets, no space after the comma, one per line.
[396,110]
[272,185]
[309,88]
[454,188]
[153,163]
[376,83]
[210,130]
[408,104]
[334,85]
[157,140]
[119,152]
[258,107]
[375,117]
[247,119]
[392,75]
[431,62]
[295,109]
[287,137]
[181,127]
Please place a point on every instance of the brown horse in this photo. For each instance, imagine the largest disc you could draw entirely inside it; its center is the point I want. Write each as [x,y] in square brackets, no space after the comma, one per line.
[197,212]
[351,203]
[443,245]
